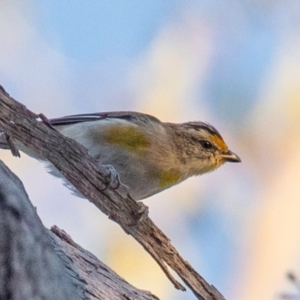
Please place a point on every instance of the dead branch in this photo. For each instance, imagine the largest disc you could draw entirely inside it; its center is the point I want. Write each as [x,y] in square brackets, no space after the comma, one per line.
[29,266]
[101,281]
[40,264]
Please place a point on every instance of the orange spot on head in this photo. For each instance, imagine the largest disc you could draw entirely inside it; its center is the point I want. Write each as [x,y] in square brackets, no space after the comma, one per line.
[219,142]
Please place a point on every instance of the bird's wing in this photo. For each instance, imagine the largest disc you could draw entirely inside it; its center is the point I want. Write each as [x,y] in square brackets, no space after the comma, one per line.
[134,117]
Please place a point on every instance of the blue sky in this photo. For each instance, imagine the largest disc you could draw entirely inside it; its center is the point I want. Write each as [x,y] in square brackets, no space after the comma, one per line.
[100,30]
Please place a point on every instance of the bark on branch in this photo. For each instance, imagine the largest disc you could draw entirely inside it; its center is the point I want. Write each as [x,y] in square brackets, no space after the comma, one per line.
[36,263]
[83,171]
[26,250]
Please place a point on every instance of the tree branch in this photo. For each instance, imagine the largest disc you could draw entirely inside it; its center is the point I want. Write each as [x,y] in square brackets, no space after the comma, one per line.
[83,171]
[29,266]
[101,281]
[36,263]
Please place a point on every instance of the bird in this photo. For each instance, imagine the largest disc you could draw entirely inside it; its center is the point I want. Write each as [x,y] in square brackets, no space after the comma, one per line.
[148,155]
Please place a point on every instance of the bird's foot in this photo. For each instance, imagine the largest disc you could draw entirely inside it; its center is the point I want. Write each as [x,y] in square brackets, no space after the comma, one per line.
[112,179]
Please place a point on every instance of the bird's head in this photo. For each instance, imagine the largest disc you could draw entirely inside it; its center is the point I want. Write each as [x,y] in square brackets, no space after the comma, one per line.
[203,148]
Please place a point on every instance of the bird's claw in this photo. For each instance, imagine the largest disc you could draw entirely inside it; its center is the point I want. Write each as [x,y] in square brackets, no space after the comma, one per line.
[113,178]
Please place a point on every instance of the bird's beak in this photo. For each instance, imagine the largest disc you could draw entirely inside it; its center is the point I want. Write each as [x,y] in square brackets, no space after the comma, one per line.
[230,157]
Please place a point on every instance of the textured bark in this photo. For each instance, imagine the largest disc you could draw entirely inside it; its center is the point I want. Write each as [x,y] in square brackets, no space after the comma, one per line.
[101,282]
[90,178]
[29,266]
[36,263]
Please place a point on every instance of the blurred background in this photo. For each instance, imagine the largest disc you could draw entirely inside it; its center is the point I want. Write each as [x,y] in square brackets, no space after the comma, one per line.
[232,63]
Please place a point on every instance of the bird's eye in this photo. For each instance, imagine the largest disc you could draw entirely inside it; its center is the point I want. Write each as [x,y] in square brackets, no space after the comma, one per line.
[206,144]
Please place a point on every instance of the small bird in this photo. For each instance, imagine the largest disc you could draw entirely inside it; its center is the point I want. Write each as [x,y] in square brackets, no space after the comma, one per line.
[149,155]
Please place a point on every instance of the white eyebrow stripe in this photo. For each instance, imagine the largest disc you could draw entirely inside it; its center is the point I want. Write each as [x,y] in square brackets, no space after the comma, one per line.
[205,126]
